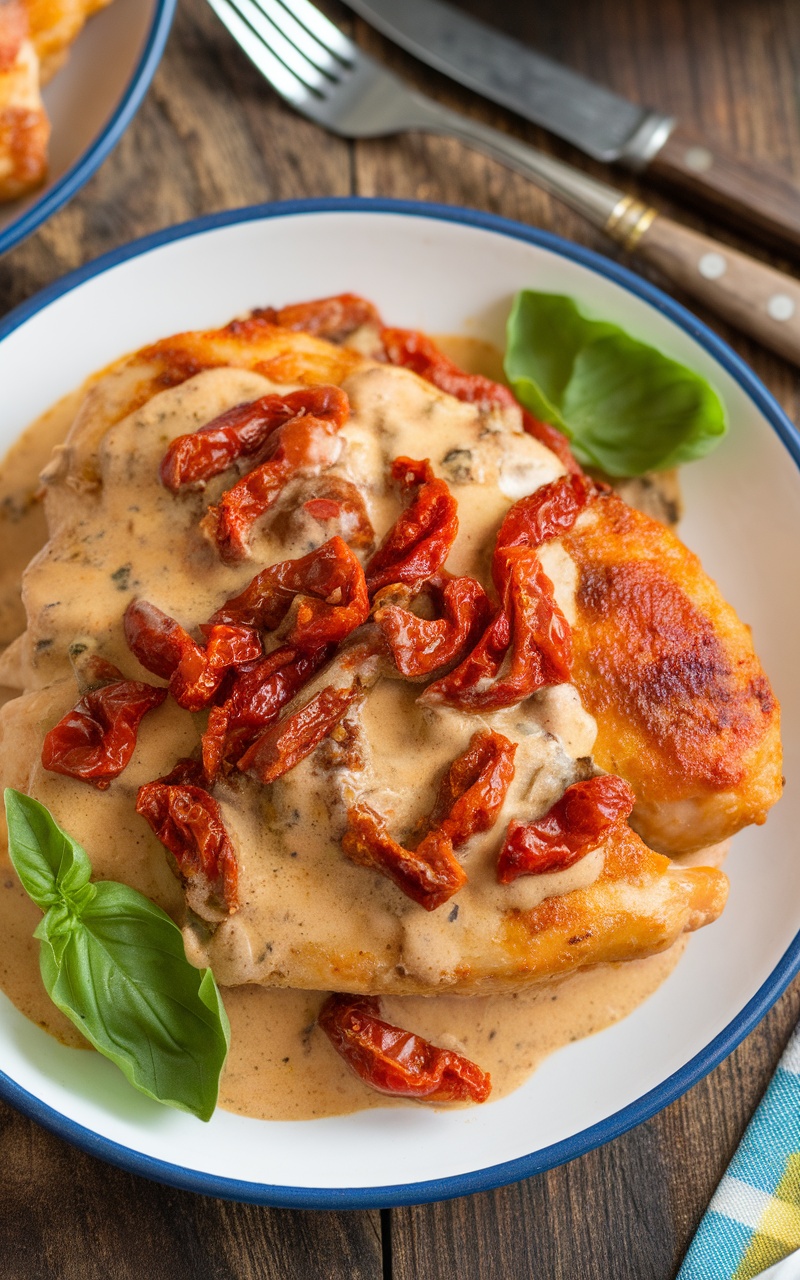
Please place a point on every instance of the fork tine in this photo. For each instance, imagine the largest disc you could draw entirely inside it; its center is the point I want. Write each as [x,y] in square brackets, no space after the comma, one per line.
[282,80]
[279,46]
[323,30]
[319,54]
[318,70]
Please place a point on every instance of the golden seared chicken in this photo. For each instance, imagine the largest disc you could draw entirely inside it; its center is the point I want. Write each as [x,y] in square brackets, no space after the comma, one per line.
[350,668]
[35,36]
[54,25]
[24,128]
[684,711]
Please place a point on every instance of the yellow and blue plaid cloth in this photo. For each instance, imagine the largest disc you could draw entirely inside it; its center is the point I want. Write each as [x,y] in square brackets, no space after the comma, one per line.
[754,1218]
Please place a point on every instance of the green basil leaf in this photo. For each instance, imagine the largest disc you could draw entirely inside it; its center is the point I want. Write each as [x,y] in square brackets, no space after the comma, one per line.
[51,865]
[625,407]
[115,964]
[121,975]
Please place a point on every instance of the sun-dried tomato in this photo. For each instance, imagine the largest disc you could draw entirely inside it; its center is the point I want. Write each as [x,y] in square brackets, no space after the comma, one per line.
[429,874]
[294,737]
[217,743]
[238,433]
[306,444]
[158,641]
[419,541]
[322,509]
[188,822]
[471,795]
[332,318]
[328,585]
[422,645]
[338,499]
[289,740]
[259,692]
[416,351]
[97,738]
[395,1061]
[472,679]
[529,636]
[543,515]
[195,673]
[576,824]
[243,432]
[409,473]
[473,791]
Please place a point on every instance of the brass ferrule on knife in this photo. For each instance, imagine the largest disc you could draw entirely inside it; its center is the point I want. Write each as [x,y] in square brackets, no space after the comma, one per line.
[628,222]
[761,199]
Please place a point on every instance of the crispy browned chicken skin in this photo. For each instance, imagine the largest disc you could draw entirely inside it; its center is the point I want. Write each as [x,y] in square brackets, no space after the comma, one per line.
[684,710]
[24,128]
[35,37]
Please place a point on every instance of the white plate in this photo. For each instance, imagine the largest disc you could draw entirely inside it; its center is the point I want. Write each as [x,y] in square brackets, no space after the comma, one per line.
[90,102]
[444,270]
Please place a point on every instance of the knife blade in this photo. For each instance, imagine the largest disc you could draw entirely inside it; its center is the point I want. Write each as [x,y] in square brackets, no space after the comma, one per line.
[599,122]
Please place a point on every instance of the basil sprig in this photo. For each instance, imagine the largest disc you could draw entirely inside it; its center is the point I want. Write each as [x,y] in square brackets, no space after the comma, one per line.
[115,964]
[624,406]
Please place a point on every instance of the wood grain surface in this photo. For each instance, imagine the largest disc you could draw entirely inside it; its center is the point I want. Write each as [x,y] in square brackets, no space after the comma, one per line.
[742,293]
[210,135]
[743,194]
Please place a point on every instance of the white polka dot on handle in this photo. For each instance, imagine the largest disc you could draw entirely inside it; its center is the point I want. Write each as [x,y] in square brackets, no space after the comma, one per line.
[698,159]
[712,266]
[781,307]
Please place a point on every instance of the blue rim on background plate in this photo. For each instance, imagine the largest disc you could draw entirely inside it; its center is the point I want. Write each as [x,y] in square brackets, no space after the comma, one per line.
[718,1048]
[79,173]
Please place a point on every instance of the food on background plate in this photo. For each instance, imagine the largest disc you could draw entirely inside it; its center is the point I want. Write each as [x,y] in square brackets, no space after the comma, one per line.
[35,36]
[54,26]
[24,127]
[336,654]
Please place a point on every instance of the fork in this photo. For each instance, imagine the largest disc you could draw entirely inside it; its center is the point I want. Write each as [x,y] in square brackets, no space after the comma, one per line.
[329,79]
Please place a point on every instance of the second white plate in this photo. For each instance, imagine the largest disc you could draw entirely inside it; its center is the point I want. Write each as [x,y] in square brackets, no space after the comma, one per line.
[91,102]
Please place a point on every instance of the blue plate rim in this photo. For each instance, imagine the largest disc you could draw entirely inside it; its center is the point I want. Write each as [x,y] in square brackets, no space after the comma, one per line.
[642,1108]
[89,162]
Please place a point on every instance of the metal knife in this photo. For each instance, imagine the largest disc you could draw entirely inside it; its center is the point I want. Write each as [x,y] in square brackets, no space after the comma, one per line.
[599,122]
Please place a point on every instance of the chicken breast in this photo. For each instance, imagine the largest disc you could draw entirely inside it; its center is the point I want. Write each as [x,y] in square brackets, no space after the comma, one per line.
[684,711]
[308,915]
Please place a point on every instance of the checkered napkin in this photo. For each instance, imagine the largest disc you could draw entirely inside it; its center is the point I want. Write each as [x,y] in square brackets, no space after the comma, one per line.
[754,1218]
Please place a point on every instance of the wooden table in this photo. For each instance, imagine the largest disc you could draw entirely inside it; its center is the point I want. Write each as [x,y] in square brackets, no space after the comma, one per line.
[211,136]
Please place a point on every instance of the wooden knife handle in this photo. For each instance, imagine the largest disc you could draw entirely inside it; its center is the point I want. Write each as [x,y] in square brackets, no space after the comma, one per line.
[747,195]
[755,298]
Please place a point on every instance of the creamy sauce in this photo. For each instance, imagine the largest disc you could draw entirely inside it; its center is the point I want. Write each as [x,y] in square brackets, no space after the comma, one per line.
[310,919]
[23,529]
[282,1068]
